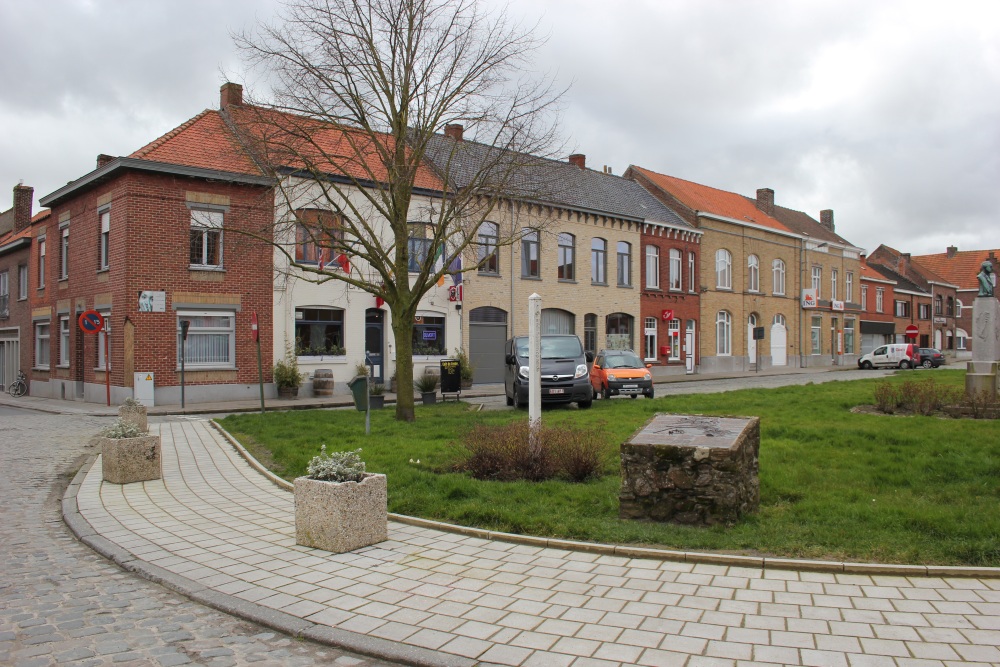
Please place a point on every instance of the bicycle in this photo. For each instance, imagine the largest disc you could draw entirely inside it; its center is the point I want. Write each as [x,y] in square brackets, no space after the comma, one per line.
[19,386]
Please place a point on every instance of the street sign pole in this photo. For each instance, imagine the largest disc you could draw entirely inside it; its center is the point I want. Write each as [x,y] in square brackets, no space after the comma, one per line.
[185,324]
[107,363]
[260,369]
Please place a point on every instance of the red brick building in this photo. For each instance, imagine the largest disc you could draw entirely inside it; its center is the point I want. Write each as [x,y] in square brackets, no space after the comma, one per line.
[878,294]
[15,312]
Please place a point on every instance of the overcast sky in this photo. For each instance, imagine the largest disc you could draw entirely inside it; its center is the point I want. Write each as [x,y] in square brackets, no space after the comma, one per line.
[887,112]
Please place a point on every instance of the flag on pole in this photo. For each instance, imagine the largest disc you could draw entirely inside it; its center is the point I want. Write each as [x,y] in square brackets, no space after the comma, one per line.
[345,264]
[439,263]
[456,267]
[322,258]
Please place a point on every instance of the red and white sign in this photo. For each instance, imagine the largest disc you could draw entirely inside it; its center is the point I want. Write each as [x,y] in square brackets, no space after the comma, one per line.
[91,322]
[912,331]
[668,315]
[253,327]
[809,298]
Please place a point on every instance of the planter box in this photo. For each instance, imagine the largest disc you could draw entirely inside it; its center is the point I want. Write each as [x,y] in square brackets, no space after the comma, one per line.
[127,460]
[341,516]
[428,397]
[134,415]
[376,401]
[288,392]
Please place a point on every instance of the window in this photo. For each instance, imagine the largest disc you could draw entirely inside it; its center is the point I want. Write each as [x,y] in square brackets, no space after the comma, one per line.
[962,337]
[958,307]
[674,339]
[105,240]
[319,332]
[649,338]
[723,334]
[653,267]
[558,321]
[879,294]
[42,345]
[22,281]
[567,257]
[4,295]
[864,297]
[675,269]
[816,335]
[318,237]
[833,284]
[619,331]
[64,342]
[624,264]
[598,261]
[488,256]
[848,336]
[101,336]
[753,274]
[779,319]
[924,311]
[938,305]
[691,287]
[723,269]
[64,253]
[778,276]
[849,287]
[590,332]
[950,312]
[41,262]
[903,309]
[428,335]
[817,279]
[529,254]
[211,341]
[206,238]
[418,246]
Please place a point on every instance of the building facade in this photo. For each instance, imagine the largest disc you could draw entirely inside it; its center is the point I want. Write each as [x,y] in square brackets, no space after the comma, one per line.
[15,286]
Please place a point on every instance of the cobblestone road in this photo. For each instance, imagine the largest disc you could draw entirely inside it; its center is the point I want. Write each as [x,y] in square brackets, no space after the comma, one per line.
[61,603]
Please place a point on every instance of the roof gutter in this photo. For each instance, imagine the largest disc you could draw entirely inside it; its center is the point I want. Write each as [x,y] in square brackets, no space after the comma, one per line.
[136,164]
[15,245]
[705,214]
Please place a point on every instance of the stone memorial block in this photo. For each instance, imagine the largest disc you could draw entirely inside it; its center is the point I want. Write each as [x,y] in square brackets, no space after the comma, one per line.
[691,469]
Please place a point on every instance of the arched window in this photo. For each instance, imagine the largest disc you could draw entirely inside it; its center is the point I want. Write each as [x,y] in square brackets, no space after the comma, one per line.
[598,261]
[723,334]
[558,321]
[675,269]
[652,267]
[619,331]
[779,319]
[778,276]
[753,274]
[723,269]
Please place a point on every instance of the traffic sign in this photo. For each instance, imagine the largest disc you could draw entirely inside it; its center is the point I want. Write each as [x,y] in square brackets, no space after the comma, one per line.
[912,331]
[91,322]
[253,326]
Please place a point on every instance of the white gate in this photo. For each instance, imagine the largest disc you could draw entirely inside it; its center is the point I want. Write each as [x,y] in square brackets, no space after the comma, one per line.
[779,345]
[689,350]
[751,343]
[10,357]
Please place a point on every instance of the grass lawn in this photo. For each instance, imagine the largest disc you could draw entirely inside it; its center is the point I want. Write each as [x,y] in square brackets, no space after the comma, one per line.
[834,484]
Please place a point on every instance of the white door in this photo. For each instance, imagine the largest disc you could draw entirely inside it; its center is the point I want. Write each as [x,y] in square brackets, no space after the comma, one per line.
[689,348]
[937,340]
[779,345]
[751,343]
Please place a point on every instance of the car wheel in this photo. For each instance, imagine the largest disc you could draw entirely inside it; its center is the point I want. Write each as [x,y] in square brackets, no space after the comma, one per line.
[594,391]
[927,363]
[904,364]
[510,401]
[633,396]
[867,365]
[650,394]
[583,405]
[605,393]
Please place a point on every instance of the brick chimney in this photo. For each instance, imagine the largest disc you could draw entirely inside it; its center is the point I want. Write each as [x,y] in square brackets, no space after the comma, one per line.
[578,159]
[23,199]
[826,218]
[103,159]
[455,131]
[230,94]
[765,200]
[952,251]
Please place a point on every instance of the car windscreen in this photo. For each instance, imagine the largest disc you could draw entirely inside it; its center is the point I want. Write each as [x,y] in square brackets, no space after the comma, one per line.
[622,360]
[560,347]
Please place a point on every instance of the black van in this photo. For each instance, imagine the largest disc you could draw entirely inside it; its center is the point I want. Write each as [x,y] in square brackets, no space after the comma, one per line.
[565,378]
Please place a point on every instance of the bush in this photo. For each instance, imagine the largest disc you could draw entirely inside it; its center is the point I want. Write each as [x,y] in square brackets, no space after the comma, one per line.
[425,383]
[887,397]
[465,365]
[286,372]
[505,453]
[924,398]
[123,429]
[983,404]
[337,467]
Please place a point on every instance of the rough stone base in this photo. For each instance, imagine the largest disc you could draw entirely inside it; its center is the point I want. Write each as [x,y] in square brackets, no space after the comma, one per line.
[136,415]
[691,470]
[341,516]
[127,460]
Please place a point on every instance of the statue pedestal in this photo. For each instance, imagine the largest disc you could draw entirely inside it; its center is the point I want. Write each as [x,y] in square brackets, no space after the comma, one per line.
[982,370]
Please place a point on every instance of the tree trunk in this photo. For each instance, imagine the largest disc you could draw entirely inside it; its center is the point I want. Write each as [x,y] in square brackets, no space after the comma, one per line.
[402,329]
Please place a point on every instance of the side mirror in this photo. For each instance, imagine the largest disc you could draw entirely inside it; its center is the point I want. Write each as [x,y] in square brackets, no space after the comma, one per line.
[649,365]
[510,359]
[596,367]
[590,357]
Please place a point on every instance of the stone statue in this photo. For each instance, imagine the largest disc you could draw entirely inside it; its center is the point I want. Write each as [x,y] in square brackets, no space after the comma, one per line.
[985,279]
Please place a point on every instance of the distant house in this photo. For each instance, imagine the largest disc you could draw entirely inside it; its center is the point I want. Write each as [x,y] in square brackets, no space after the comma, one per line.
[15,311]
[878,326]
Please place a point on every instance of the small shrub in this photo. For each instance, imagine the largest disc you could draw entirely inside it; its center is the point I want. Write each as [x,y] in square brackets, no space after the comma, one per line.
[425,383]
[887,397]
[361,370]
[983,404]
[123,429]
[286,371]
[376,389]
[131,403]
[924,398]
[505,453]
[466,366]
[337,467]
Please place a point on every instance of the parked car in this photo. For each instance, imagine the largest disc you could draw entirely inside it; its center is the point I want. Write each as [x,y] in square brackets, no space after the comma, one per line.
[565,378]
[930,358]
[620,372]
[902,355]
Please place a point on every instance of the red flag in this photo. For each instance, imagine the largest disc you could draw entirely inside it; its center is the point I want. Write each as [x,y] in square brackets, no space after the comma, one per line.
[344,263]
[379,301]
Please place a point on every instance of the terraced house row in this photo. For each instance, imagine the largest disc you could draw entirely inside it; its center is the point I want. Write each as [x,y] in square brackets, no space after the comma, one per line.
[693,278]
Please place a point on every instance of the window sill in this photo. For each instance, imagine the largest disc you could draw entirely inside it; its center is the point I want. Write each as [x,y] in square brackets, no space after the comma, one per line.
[103,269]
[206,267]
[568,281]
[199,369]
[621,286]
[64,279]
[676,289]
[63,366]
[40,369]
[593,284]
[484,274]
[531,277]
[324,358]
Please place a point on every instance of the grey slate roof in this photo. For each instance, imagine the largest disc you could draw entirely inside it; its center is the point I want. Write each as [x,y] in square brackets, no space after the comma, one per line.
[548,181]
[902,282]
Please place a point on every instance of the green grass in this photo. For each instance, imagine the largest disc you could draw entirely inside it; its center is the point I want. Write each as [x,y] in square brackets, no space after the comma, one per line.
[834,484]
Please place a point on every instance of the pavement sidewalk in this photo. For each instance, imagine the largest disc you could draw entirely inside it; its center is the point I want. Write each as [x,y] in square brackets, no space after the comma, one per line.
[220,531]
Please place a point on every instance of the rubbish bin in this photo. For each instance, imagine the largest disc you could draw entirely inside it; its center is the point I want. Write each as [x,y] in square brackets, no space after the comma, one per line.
[359,387]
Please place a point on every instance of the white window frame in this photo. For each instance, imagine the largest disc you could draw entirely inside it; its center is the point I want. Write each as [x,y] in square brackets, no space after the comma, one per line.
[64,350]
[22,282]
[958,309]
[623,252]
[64,252]
[778,277]
[4,294]
[864,297]
[817,280]
[834,274]
[208,221]
[691,278]
[849,335]
[753,273]
[674,342]
[649,335]
[676,279]
[723,269]
[723,334]
[43,347]
[816,335]
[192,331]
[599,261]
[849,287]
[567,257]
[104,243]
[779,319]
[41,262]
[652,267]
[101,335]
[879,299]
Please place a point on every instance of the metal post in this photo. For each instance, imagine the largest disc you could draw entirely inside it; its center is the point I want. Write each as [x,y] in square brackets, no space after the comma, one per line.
[534,362]
[107,362]
[185,324]
[260,377]
[368,398]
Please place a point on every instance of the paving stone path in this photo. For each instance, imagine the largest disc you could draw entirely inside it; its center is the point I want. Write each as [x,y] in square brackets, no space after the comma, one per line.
[63,604]
[463,600]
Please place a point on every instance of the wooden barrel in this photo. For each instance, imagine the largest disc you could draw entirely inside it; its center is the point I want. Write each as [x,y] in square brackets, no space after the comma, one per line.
[323,382]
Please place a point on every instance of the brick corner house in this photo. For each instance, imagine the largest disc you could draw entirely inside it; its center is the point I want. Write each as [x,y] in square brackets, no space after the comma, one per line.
[15,309]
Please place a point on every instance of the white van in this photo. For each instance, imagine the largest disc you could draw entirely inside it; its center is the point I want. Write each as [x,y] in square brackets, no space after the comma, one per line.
[901,355]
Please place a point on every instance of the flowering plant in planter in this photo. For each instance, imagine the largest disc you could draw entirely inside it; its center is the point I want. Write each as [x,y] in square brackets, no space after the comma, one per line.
[129,454]
[134,412]
[339,506]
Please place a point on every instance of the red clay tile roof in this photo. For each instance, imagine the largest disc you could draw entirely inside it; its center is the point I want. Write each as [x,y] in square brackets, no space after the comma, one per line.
[205,142]
[961,269]
[41,215]
[710,200]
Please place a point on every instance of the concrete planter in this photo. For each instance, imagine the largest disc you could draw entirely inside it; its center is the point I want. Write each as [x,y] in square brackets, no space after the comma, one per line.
[341,516]
[127,460]
[134,415]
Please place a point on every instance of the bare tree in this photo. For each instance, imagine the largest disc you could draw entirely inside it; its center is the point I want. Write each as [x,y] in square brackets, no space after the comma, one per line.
[359,92]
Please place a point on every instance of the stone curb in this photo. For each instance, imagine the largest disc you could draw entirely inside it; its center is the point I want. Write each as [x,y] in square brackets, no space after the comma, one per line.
[293,626]
[730,560]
